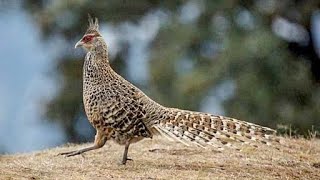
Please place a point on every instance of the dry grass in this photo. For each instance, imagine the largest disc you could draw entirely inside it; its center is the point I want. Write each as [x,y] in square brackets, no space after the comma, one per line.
[160,159]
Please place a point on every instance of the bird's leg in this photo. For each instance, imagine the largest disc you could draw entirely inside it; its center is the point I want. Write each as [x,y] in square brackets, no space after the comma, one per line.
[99,141]
[125,153]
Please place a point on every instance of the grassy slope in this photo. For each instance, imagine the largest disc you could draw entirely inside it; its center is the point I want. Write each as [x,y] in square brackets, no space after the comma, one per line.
[296,159]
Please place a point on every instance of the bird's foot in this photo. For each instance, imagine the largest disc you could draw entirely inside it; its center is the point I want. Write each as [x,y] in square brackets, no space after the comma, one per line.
[70,153]
[77,152]
[124,161]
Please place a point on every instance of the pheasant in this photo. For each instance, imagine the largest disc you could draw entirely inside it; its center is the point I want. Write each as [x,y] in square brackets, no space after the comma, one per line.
[121,112]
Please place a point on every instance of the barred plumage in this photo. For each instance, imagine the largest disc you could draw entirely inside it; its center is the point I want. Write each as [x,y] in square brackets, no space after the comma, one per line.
[121,112]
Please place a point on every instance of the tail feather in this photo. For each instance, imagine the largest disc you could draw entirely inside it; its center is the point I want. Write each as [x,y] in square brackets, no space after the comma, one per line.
[205,130]
[171,134]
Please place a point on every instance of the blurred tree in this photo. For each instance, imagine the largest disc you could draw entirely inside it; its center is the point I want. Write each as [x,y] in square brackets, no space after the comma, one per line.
[199,45]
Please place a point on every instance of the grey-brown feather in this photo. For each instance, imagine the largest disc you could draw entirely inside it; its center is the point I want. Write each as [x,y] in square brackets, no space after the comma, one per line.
[115,106]
[122,112]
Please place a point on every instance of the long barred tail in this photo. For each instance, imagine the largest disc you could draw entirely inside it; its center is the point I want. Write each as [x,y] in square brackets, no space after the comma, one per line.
[205,129]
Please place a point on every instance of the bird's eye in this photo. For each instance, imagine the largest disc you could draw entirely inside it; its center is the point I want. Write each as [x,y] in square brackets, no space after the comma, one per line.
[87,38]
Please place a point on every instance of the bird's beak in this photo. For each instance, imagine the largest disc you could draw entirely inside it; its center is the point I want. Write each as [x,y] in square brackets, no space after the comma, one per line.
[78,44]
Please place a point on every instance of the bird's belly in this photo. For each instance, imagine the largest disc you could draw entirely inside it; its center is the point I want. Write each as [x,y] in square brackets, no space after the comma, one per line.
[121,139]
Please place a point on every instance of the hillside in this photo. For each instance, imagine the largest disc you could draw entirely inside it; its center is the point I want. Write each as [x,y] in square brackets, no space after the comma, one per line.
[161,159]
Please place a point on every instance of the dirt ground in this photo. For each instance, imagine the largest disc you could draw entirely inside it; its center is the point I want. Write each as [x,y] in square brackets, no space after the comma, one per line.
[162,159]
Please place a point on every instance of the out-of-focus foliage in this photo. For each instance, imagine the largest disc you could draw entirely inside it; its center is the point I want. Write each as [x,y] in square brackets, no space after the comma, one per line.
[200,45]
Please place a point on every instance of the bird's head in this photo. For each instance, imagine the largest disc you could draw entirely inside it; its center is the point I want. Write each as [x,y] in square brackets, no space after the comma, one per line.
[91,36]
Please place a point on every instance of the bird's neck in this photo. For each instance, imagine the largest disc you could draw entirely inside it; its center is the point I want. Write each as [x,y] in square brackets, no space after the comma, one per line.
[96,65]
[100,52]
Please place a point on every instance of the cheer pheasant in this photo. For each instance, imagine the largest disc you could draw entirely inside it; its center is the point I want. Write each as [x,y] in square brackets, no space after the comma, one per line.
[121,112]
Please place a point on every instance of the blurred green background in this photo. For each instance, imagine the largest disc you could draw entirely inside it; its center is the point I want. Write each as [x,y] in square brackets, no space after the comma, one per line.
[255,60]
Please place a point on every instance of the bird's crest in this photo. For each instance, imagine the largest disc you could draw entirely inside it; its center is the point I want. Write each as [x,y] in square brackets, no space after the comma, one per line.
[93,25]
